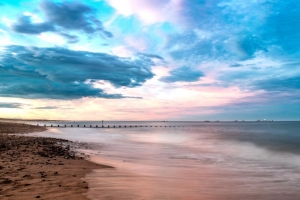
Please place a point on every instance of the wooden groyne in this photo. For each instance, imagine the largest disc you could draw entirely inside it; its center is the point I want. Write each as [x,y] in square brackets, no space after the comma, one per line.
[102,126]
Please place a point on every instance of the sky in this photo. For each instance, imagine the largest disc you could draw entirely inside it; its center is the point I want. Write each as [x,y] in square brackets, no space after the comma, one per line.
[150,59]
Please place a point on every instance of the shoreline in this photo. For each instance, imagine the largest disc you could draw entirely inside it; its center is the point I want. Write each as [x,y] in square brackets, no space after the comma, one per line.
[39,167]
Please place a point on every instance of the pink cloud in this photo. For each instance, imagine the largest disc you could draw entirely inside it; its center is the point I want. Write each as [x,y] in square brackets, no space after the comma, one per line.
[149,11]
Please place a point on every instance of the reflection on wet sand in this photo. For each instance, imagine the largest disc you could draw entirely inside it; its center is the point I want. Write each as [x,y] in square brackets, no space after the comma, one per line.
[156,171]
[203,182]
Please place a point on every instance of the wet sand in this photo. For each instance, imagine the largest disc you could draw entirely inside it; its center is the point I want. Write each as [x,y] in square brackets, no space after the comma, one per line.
[37,167]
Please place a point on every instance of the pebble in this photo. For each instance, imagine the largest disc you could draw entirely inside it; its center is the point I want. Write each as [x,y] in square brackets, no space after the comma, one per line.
[6,180]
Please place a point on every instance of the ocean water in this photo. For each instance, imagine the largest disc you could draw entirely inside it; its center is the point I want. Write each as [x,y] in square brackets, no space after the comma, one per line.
[190,160]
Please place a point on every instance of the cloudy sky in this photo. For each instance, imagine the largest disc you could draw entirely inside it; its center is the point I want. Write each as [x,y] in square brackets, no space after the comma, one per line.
[150,59]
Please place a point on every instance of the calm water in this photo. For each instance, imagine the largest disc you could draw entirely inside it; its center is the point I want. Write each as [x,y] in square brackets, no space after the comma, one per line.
[194,160]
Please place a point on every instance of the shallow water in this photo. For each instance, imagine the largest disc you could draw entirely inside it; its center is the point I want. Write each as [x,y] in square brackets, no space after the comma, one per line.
[194,160]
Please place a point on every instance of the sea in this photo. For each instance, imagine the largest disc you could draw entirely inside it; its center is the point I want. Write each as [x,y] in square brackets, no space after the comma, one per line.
[187,160]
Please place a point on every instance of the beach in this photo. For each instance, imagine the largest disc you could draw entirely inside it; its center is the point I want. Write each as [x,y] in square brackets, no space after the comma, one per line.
[152,160]
[39,167]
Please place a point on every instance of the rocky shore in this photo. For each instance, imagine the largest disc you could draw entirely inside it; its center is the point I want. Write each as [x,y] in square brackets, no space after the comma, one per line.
[37,167]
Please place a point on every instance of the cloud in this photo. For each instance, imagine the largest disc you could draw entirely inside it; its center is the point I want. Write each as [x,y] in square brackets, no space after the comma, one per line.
[236,65]
[151,56]
[252,45]
[46,108]
[63,17]
[59,73]
[194,46]
[182,74]
[227,31]
[24,25]
[149,11]
[10,105]
[73,16]
[279,84]
[70,38]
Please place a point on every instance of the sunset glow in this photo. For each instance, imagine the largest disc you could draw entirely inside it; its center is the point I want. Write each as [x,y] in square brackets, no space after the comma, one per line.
[150,60]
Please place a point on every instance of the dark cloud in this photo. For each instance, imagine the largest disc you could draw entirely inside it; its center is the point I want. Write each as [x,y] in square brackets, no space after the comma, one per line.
[10,105]
[182,74]
[59,73]
[236,65]
[24,25]
[46,108]
[151,56]
[278,84]
[70,38]
[63,17]
[73,16]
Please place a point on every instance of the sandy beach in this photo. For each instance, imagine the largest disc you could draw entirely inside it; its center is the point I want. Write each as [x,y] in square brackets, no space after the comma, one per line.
[37,167]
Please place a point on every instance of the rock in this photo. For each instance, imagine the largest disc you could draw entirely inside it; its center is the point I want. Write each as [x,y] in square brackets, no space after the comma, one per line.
[6,181]
[37,196]
[26,175]
[43,175]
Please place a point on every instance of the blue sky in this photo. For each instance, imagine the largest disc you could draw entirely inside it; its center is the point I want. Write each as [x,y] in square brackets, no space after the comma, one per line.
[150,59]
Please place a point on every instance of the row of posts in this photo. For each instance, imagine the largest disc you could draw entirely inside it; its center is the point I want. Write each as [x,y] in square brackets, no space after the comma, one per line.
[131,126]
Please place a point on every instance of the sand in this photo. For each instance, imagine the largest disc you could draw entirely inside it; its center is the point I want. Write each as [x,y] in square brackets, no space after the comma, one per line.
[42,168]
